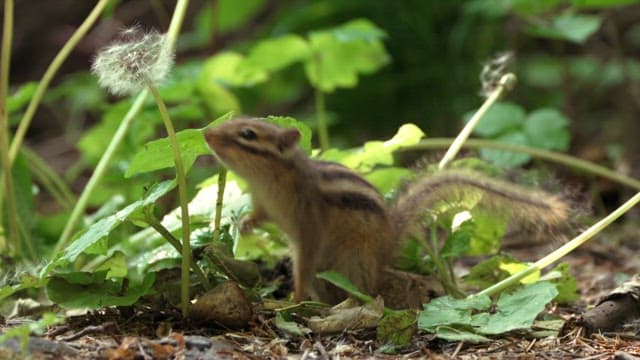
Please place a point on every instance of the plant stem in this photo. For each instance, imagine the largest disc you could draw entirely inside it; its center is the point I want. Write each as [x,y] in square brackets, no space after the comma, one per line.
[182,193]
[12,215]
[321,108]
[43,84]
[559,158]
[506,82]
[49,179]
[157,225]
[564,249]
[99,171]
[222,182]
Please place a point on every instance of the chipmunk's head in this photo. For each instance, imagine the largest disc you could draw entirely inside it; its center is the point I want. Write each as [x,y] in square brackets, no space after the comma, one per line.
[251,147]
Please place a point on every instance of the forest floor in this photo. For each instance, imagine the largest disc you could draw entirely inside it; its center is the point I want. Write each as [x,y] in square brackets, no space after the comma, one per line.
[142,333]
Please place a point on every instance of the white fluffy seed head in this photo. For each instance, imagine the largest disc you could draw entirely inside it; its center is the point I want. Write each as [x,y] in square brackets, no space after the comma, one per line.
[124,66]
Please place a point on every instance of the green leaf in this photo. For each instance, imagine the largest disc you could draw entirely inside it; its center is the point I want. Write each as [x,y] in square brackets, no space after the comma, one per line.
[217,98]
[286,324]
[116,265]
[459,241]
[343,53]
[502,118]
[158,154]
[397,327]
[565,284]
[596,4]
[26,282]
[518,309]
[67,291]
[274,54]
[386,180]
[533,7]
[543,71]
[305,130]
[489,227]
[507,159]
[21,97]
[375,153]
[233,14]
[460,334]
[92,235]
[343,283]
[567,26]
[547,128]
[447,311]
[488,272]
[225,69]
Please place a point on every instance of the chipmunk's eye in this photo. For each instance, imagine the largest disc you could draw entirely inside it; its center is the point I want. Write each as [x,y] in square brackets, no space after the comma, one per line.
[248,134]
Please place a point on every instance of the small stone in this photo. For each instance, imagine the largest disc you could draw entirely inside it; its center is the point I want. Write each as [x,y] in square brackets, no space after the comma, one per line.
[225,305]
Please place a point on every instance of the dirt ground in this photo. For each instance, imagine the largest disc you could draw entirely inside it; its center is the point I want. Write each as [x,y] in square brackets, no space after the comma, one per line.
[142,333]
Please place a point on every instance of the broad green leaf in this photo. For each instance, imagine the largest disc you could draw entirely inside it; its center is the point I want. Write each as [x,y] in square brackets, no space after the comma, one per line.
[459,241]
[459,334]
[567,26]
[224,69]
[548,129]
[98,293]
[565,284]
[101,229]
[515,267]
[502,118]
[542,71]
[26,282]
[341,54]
[116,265]
[386,180]
[158,154]
[489,227]
[305,131]
[487,272]
[217,98]
[343,283]
[21,97]
[447,311]
[595,4]
[507,159]
[274,54]
[233,14]
[375,153]
[518,309]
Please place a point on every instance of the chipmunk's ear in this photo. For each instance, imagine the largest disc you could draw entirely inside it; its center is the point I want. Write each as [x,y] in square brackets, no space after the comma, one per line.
[288,140]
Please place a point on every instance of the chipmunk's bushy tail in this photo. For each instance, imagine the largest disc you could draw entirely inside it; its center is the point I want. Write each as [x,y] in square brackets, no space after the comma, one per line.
[529,205]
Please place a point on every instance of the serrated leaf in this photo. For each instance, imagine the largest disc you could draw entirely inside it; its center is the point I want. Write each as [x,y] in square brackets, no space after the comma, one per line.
[341,54]
[501,118]
[158,154]
[567,26]
[98,293]
[547,128]
[274,54]
[519,309]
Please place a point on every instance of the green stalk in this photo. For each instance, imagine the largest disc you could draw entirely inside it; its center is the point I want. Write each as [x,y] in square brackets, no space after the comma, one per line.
[98,173]
[563,250]
[182,193]
[157,225]
[506,82]
[559,158]
[43,84]
[321,109]
[14,238]
[49,179]
[222,182]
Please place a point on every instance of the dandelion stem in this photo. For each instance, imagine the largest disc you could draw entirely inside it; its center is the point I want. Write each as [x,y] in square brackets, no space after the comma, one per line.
[12,215]
[182,193]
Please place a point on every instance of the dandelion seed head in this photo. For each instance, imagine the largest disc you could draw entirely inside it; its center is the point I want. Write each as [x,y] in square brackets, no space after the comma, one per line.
[124,66]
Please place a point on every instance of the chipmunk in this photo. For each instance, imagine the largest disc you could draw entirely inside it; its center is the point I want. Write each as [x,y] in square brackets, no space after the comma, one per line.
[335,219]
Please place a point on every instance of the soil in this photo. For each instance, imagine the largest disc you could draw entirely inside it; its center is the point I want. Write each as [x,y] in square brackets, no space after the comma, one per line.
[142,332]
